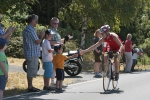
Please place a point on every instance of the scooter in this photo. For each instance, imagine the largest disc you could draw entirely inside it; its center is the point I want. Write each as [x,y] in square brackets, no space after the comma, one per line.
[72,66]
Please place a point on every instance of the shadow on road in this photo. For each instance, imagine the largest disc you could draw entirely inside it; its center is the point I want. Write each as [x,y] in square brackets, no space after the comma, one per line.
[89,92]
[113,92]
[73,77]
[31,96]
[108,92]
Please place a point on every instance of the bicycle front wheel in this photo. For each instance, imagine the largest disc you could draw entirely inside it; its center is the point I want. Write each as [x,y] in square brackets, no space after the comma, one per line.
[114,82]
[106,77]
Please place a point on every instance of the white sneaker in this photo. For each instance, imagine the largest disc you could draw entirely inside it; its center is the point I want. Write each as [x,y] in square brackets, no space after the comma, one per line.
[64,86]
[54,85]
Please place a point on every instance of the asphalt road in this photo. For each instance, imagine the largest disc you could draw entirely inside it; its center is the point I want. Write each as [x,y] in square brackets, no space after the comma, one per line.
[131,86]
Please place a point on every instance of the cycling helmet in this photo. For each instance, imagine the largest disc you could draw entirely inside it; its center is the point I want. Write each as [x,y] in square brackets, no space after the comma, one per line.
[104,28]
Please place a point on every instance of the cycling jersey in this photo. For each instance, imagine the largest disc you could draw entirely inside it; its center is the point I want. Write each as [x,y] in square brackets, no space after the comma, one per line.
[112,45]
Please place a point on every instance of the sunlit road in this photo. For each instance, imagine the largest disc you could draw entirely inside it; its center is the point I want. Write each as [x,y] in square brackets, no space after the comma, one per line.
[132,86]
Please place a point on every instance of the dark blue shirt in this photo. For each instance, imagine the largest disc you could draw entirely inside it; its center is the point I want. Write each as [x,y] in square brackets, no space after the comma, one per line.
[95,40]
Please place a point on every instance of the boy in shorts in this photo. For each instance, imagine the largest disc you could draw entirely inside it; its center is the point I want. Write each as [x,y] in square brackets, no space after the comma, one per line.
[58,61]
[3,66]
[47,57]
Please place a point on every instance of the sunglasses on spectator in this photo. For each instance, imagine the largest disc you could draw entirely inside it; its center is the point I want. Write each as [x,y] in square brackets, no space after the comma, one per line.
[55,23]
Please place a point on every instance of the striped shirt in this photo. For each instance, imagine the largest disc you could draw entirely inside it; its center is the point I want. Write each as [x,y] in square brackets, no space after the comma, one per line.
[30,48]
[1,30]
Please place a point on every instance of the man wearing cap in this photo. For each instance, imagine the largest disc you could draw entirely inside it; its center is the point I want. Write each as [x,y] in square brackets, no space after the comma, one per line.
[3,34]
[3,66]
[114,44]
[31,48]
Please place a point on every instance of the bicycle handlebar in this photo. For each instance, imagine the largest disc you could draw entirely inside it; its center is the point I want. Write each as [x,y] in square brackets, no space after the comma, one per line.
[111,54]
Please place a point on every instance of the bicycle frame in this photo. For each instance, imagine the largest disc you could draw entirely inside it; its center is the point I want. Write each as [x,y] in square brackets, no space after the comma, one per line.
[108,71]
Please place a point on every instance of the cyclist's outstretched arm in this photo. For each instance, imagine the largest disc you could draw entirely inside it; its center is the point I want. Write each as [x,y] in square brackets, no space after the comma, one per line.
[92,47]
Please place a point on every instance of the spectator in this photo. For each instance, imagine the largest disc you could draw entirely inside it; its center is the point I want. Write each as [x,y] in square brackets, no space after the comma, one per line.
[128,53]
[31,47]
[3,34]
[56,39]
[47,57]
[136,52]
[3,67]
[97,52]
[58,61]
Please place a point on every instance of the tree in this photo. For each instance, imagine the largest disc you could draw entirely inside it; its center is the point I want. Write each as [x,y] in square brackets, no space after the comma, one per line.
[99,12]
[140,26]
[11,6]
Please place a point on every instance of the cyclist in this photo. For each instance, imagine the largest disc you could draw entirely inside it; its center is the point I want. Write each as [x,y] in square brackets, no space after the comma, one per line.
[114,42]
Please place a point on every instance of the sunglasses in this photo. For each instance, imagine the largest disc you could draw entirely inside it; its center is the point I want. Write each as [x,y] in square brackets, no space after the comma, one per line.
[55,23]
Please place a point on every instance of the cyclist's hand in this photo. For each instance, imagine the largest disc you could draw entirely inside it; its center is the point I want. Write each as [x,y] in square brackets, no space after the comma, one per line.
[82,52]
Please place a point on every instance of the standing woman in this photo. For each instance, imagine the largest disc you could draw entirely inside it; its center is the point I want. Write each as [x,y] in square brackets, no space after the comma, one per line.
[97,52]
[128,53]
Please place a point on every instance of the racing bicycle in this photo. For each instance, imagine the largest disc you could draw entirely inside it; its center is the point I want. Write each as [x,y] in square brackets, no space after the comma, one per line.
[109,71]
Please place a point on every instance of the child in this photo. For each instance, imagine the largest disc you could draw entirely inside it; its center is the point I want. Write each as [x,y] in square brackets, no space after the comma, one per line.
[47,57]
[3,66]
[58,61]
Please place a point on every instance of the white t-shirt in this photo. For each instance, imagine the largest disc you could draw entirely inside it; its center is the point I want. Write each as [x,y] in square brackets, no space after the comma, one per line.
[135,55]
[46,56]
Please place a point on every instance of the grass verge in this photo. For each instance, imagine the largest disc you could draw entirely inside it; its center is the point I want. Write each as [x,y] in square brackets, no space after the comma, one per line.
[17,83]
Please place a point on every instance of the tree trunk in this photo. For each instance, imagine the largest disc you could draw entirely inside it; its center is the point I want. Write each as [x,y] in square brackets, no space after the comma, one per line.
[56,8]
[84,29]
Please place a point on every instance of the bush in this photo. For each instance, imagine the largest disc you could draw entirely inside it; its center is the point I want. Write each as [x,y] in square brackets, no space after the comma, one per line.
[69,31]
[143,60]
[15,48]
[70,45]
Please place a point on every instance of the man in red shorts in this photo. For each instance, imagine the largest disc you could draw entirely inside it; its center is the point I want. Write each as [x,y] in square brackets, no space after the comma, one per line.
[114,42]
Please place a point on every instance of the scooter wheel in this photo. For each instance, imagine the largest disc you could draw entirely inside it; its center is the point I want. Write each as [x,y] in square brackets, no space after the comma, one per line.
[25,65]
[73,71]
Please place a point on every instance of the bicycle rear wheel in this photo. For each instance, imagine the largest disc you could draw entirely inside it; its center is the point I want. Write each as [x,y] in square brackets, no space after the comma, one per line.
[106,77]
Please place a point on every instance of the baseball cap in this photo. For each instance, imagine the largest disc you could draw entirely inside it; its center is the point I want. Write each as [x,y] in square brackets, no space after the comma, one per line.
[49,31]
[57,47]
[3,41]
